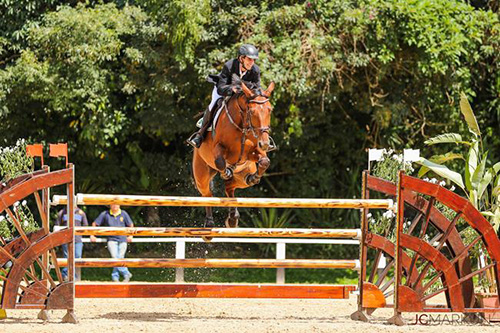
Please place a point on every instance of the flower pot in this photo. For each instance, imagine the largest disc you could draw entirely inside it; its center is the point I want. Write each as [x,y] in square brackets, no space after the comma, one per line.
[489,300]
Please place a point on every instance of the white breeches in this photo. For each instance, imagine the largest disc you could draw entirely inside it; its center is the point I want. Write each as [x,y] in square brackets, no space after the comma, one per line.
[215,97]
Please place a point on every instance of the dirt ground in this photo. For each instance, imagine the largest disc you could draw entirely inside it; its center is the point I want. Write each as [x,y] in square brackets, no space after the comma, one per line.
[218,315]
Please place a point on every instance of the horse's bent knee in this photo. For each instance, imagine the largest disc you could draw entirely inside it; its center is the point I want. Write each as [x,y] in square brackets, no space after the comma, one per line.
[264,163]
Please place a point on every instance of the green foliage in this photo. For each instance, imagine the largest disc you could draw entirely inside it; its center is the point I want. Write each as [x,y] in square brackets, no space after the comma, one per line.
[5,232]
[271,218]
[389,166]
[445,138]
[469,116]
[16,16]
[23,215]
[182,24]
[383,224]
[481,182]
[231,275]
[14,161]
[442,171]
[439,159]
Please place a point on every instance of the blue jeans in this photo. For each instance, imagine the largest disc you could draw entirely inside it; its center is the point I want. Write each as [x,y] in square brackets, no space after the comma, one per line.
[78,254]
[117,251]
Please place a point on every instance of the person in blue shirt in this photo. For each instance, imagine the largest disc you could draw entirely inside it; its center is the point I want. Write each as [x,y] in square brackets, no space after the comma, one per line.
[117,245]
[80,220]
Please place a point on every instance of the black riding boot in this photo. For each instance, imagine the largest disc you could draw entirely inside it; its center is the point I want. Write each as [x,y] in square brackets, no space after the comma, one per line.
[196,138]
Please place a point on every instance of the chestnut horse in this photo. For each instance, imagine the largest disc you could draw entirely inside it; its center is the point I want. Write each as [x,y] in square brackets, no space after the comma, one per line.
[238,149]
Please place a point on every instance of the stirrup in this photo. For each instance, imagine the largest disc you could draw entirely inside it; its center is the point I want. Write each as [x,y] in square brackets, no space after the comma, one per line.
[272,145]
[190,141]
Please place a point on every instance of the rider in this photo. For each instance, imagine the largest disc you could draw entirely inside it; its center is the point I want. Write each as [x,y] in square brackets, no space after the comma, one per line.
[244,66]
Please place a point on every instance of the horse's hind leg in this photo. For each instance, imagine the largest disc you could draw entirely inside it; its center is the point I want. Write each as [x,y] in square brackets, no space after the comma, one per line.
[203,175]
[234,215]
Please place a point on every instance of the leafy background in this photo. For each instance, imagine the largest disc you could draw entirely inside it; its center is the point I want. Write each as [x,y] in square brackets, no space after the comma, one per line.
[120,81]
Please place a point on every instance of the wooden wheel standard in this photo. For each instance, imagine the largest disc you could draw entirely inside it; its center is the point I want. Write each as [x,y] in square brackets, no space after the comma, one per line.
[377,286]
[28,253]
[445,269]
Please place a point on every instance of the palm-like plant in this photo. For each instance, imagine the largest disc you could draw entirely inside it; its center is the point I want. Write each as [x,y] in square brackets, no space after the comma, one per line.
[482,182]
[270,218]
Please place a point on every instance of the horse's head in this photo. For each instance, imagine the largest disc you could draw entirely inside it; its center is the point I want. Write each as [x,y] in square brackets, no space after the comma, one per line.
[258,117]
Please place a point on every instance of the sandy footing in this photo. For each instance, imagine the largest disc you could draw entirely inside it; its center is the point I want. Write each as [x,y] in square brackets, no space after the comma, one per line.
[218,315]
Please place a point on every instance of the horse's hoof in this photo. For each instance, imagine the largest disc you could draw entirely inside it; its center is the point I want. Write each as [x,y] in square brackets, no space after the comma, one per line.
[209,224]
[231,223]
[227,174]
[252,179]
[207,239]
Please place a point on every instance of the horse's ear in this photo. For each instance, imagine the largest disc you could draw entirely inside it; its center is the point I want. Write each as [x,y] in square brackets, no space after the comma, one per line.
[269,89]
[246,90]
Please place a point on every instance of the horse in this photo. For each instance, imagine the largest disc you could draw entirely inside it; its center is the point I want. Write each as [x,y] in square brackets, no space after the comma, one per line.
[238,149]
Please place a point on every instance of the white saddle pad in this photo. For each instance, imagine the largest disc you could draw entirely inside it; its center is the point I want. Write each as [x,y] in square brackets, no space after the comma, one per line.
[216,118]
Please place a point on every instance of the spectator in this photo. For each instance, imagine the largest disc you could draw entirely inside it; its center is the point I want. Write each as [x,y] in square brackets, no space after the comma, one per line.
[117,245]
[80,220]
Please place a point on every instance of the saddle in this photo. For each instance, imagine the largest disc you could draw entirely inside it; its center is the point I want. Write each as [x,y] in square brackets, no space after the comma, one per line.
[219,106]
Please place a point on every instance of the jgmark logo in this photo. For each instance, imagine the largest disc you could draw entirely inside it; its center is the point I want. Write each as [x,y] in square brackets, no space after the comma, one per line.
[449,319]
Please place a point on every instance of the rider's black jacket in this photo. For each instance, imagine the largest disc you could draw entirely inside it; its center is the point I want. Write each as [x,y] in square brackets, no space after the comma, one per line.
[224,79]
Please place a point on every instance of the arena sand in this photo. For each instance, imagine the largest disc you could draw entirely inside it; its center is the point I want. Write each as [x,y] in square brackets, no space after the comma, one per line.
[218,315]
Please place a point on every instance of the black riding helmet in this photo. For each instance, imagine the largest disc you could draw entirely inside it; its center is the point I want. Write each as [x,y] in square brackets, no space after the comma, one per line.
[248,50]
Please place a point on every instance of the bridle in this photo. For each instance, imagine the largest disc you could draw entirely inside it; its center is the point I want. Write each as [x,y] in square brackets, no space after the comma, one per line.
[247,122]
[247,118]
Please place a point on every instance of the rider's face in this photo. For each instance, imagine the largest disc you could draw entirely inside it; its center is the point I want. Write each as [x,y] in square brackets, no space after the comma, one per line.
[248,62]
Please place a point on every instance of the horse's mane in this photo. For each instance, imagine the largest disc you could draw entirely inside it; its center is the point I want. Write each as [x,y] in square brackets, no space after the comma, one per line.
[236,83]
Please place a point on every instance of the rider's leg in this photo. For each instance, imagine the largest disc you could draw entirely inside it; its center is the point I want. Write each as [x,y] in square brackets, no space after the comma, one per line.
[196,139]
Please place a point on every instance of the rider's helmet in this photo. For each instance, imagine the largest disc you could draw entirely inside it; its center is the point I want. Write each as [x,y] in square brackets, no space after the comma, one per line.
[248,50]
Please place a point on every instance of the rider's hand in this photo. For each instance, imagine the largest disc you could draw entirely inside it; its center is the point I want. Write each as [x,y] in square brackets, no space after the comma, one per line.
[235,90]
[129,239]
[93,238]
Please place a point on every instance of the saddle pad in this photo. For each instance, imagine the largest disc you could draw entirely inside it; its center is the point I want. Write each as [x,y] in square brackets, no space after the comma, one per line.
[214,122]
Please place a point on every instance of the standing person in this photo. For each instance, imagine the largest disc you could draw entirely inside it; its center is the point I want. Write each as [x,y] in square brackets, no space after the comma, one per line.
[80,220]
[117,245]
[244,67]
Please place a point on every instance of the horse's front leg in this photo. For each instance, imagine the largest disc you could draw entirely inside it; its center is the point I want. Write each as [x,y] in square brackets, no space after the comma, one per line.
[203,175]
[234,215]
[263,163]
[225,171]
[209,218]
